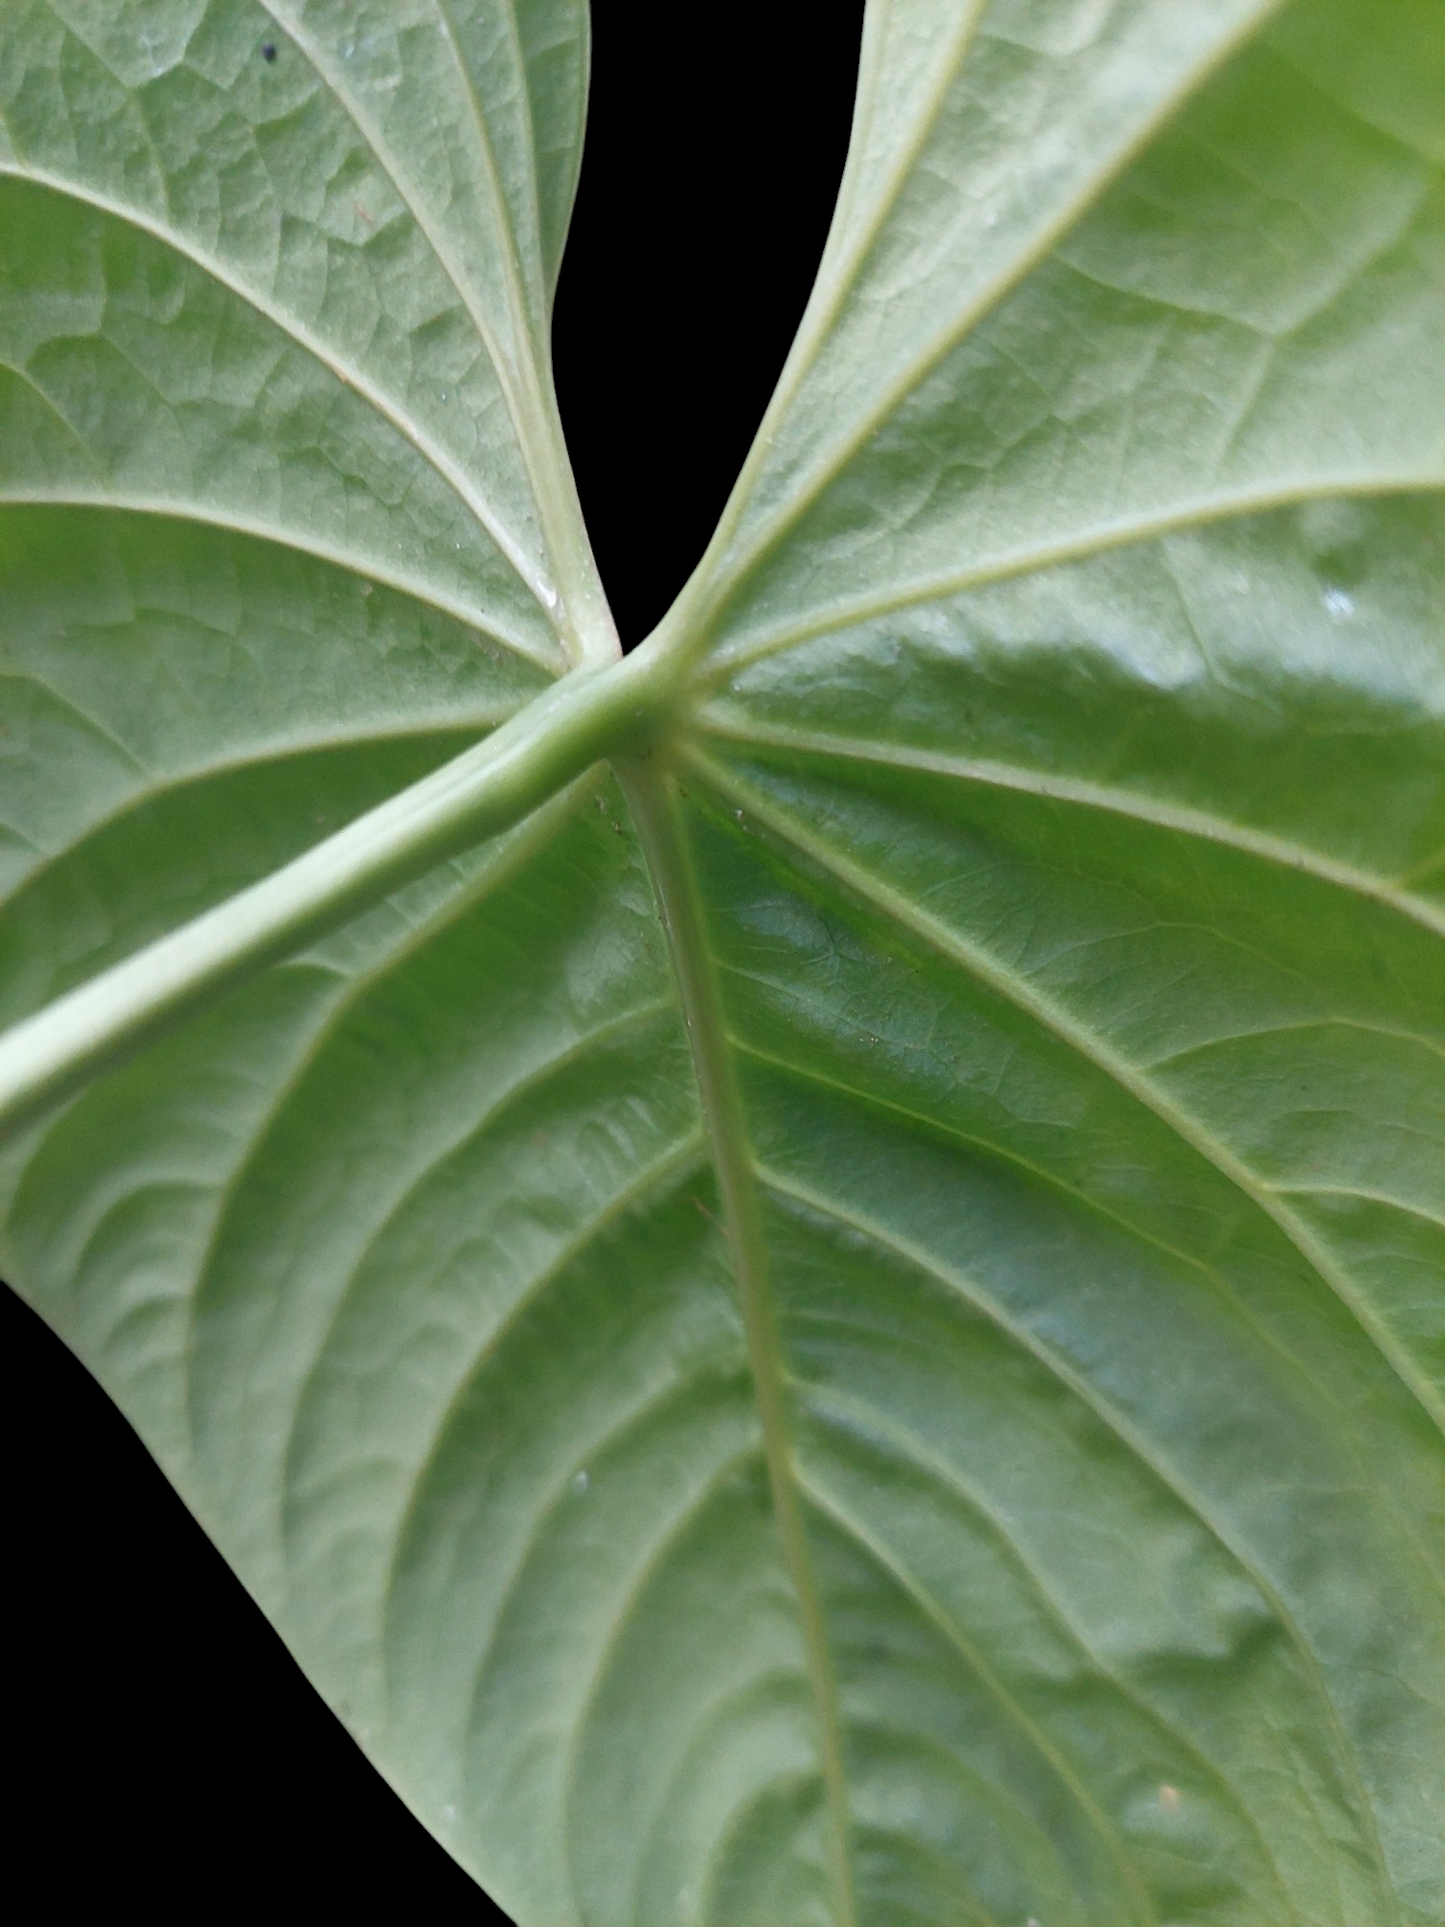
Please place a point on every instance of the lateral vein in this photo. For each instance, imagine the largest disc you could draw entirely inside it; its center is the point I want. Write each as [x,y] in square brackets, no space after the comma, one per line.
[365,566]
[1095,1049]
[289,325]
[1118,1421]
[985,302]
[1155,812]
[1101,539]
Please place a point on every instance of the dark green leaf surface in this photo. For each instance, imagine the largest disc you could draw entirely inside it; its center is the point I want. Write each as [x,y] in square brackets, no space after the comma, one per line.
[844,1327]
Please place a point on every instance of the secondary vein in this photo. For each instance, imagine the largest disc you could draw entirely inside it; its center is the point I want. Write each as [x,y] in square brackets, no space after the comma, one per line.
[1138,806]
[366,566]
[294,330]
[984,302]
[1104,538]
[1130,1077]
[1119,1422]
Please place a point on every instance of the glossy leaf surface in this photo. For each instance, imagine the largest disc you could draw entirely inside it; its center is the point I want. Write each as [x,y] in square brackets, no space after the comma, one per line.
[844,1325]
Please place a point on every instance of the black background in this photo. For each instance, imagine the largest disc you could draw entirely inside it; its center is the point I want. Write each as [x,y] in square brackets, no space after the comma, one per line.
[166,1755]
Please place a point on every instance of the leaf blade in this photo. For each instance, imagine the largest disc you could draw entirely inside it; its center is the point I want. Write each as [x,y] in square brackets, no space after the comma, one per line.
[1031,1511]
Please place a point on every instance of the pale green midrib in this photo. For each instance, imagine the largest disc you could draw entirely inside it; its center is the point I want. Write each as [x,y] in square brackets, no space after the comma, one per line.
[348,374]
[361,564]
[1094,1048]
[1202,513]
[718,576]
[1154,812]
[1139,1445]
[157,788]
[654,813]
[923,1459]
[587,716]
[1101,1823]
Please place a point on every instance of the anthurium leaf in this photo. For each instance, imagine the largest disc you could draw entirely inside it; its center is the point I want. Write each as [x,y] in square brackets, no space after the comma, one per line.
[841,1324]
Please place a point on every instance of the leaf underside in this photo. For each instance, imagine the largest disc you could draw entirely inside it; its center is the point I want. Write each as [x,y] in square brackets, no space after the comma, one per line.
[845,1327]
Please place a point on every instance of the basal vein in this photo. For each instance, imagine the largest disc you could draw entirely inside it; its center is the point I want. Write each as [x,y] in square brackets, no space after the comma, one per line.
[501,207]
[528,116]
[515,372]
[836,277]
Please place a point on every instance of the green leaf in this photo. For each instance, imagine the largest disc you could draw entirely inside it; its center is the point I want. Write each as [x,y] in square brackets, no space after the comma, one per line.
[842,1323]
